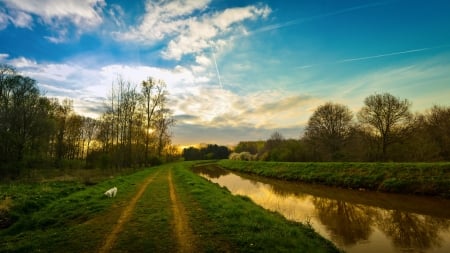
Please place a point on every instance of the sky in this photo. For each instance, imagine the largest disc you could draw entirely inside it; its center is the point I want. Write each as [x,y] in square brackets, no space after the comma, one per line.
[236,70]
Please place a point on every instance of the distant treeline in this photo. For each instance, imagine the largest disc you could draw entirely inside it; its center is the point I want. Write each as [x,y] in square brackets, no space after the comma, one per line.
[41,132]
[384,130]
[207,152]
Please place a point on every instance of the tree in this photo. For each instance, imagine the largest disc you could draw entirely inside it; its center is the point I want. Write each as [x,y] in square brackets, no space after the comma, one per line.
[253,147]
[24,124]
[438,126]
[208,152]
[329,127]
[388,117]
[153,95]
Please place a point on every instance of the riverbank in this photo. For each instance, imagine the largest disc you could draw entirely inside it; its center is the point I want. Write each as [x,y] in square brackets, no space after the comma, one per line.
[431,179]
[160,209]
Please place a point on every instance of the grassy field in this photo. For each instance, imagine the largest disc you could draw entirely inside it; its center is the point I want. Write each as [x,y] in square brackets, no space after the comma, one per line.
[69,216]
[411,178]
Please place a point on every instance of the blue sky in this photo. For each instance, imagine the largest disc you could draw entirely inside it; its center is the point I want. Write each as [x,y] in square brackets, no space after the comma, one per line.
[235,70]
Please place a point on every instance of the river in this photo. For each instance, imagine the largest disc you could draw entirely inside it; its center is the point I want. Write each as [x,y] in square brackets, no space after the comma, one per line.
[356,221]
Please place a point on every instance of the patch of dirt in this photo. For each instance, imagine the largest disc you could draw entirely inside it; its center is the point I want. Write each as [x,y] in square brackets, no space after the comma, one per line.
[124,217]
[183,233]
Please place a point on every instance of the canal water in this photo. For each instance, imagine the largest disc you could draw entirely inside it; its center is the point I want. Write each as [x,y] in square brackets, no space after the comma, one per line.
[356,221]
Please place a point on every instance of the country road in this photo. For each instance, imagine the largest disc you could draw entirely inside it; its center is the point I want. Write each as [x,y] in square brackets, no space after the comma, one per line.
[185,241]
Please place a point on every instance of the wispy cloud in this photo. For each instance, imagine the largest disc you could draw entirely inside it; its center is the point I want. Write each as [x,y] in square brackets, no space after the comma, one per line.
[193,103]
[189,134]
[59,15]
[315,17]
[175,24]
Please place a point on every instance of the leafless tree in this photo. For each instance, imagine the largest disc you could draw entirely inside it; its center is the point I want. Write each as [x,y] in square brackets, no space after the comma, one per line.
[153,96]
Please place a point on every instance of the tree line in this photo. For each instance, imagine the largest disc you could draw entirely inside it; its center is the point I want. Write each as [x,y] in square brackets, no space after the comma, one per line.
[37,131]
[206,152]
[384,129]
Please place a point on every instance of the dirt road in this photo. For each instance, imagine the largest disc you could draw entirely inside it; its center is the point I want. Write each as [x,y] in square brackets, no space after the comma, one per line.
[185,240]
[125,216]
[183,233]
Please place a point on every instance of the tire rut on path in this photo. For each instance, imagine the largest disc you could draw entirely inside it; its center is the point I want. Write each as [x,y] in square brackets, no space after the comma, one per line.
[125,216]
[185,237]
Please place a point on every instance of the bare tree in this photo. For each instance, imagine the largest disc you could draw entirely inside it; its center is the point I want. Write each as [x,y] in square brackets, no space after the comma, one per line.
[329,127]
[90,128]
[163,123]
[388,117]
[153,95]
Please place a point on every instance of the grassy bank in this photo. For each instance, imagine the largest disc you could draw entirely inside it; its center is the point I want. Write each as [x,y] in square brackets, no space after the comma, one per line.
[74,217]
[236,224]
[53,216]
[411,178]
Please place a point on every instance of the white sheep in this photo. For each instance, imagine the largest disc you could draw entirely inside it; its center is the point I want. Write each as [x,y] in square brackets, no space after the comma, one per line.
[111,192]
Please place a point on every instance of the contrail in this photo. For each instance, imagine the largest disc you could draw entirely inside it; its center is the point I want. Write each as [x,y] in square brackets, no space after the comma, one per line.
[384,55]
[373,56]
[217,70]
[316,17]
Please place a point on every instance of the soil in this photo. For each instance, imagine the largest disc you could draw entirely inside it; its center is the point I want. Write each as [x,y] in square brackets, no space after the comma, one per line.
[125,217]
[183,233]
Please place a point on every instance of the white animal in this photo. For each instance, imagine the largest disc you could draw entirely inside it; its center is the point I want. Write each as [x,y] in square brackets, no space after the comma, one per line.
[111,192]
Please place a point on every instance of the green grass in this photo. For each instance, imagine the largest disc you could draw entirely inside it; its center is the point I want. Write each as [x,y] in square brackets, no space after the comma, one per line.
[74,217]
[411,178]
[236,224]
[149,230]
[51,215]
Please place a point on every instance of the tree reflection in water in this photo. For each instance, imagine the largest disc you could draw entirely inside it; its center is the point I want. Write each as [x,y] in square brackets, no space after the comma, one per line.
[412,231]
[347,223]
[355,221]
[210,171]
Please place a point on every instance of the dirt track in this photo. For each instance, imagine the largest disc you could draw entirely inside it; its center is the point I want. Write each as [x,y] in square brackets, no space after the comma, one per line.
[183,232]
[125,217]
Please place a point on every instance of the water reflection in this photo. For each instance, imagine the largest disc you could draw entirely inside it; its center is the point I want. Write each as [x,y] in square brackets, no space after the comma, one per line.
[412,231]
[355,221]
[347,223]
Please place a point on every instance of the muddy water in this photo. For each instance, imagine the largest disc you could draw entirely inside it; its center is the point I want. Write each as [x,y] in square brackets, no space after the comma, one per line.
[355,221]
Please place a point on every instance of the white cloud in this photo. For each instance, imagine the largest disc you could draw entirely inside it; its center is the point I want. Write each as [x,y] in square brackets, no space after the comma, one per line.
[185,33]
[21,19]
[116,13]
[215,107]
[213,31]
[203,60]
[3,57]
[83,14]
[189,94]
[162,19]
[4,20]
[80,12]
[20,62]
